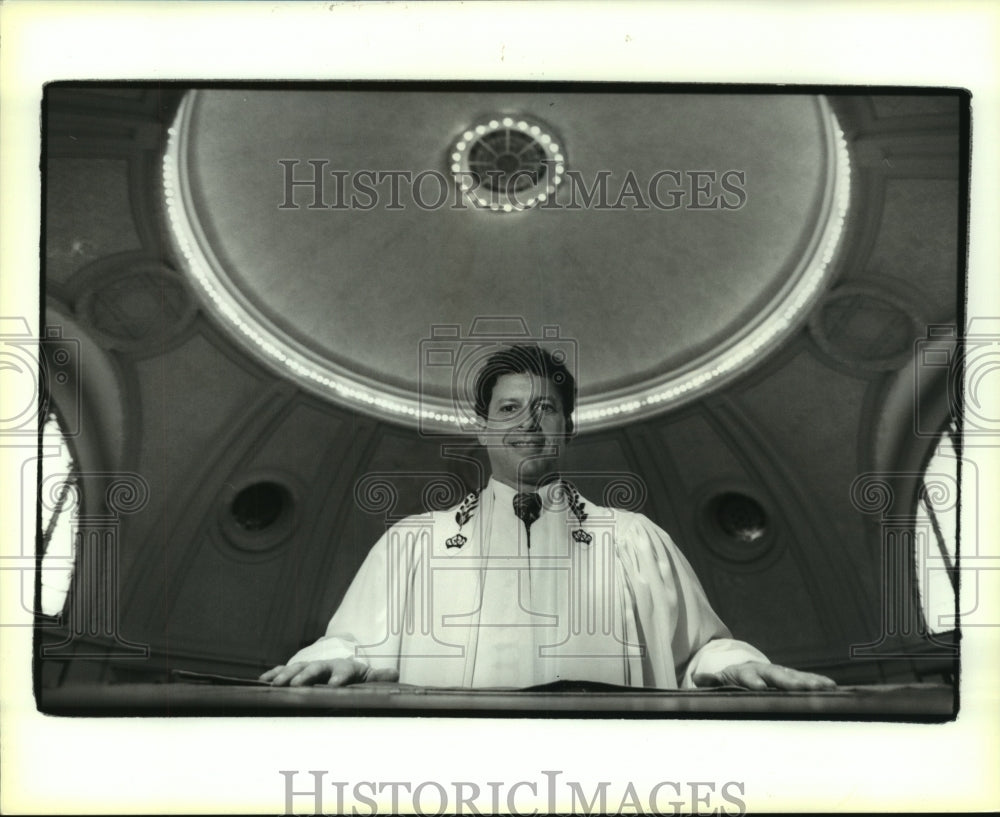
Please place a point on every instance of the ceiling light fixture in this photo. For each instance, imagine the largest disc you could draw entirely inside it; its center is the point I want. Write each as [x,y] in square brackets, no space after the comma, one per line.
[506,165]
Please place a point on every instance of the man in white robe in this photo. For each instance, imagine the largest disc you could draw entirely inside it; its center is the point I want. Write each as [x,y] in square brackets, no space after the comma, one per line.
[527,582]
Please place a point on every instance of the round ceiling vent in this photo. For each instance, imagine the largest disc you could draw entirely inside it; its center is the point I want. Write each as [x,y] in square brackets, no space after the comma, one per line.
[508,163]
[257,514]
[738,527]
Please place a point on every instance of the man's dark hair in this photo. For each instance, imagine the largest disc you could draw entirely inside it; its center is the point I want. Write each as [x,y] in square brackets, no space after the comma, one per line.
[525,359]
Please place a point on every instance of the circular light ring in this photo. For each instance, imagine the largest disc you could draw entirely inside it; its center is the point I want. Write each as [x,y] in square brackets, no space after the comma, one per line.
[776,321]
[505,164]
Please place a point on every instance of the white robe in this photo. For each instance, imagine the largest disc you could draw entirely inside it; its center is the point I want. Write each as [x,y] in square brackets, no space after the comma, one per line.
[624,608]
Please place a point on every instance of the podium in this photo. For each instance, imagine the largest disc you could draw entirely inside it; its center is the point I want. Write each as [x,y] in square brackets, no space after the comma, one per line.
[890,702]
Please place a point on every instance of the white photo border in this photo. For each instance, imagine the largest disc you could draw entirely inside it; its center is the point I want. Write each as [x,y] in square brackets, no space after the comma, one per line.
[223,765]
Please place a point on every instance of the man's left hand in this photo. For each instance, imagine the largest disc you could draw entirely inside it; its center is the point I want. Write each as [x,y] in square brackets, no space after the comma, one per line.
[758,675]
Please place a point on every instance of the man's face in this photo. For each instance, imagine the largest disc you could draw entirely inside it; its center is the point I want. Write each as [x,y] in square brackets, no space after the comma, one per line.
[525,429]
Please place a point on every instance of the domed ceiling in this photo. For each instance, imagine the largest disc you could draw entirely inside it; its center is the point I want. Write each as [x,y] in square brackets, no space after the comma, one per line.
[714,236]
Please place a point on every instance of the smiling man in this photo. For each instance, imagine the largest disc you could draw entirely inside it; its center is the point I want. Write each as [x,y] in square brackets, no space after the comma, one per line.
[527,582]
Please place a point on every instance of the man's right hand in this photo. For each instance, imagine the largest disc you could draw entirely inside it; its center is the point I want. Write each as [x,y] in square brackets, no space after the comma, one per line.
[336,672]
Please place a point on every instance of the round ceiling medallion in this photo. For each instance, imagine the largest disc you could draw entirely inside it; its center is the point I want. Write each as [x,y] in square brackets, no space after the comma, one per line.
[867,327]
[135,304]
[508,163]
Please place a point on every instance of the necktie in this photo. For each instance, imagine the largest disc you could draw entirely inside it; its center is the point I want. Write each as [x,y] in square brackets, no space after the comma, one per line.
[527,508]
